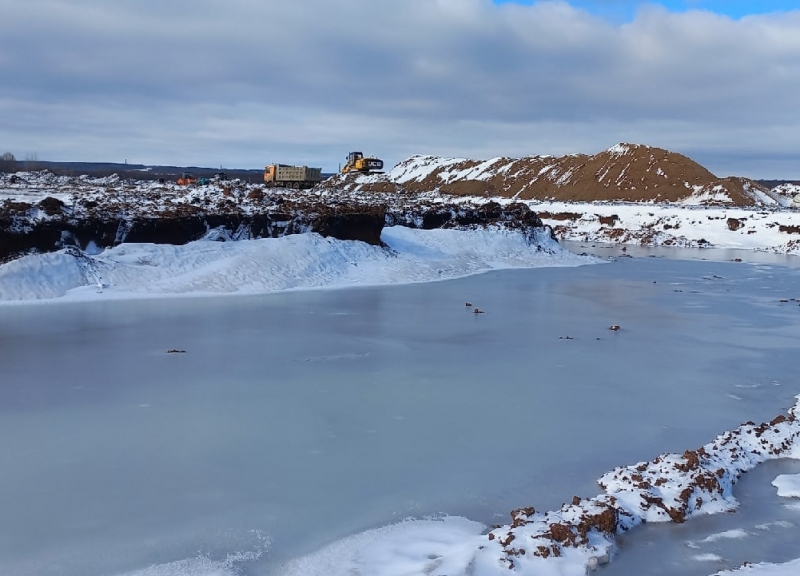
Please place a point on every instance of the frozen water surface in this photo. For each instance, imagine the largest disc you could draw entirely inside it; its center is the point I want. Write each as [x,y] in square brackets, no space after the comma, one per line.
[296,420]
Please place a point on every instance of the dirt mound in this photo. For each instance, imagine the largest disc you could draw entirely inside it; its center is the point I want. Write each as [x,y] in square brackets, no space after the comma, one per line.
[625,172]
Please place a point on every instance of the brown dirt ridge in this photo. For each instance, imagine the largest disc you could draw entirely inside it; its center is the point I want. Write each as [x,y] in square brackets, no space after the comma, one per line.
[624,172]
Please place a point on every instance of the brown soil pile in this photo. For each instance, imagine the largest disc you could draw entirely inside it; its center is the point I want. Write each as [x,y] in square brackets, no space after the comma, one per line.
[626,172]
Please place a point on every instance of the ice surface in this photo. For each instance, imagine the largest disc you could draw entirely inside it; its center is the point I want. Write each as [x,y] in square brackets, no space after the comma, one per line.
[317,417]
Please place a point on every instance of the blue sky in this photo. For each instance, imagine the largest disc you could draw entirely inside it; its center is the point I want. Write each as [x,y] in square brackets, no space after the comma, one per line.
[625,10]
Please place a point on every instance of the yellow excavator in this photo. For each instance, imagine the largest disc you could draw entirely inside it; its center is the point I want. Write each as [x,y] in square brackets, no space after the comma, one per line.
[357,162]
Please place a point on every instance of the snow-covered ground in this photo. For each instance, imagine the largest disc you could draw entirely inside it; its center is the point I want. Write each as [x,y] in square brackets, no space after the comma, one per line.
[672,225]
[581,536]
[207,267]
[771,227]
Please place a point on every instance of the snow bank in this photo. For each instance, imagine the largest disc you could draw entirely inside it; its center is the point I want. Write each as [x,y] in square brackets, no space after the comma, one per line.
[580,536]
[292,262]
[789,569]
[788,485]
[673,225]
[433,546]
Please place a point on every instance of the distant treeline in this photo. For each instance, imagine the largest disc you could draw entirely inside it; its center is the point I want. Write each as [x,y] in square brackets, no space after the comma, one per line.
[773,183]
[125,171]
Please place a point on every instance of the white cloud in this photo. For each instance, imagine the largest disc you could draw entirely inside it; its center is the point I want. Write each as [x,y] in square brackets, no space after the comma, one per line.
[243,83]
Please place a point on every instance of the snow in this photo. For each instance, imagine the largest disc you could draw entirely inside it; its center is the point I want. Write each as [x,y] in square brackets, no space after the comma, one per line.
[619,149]
[708,557]
[639,224]
[444,545]
[714,196]
[417,168]
[727,535]
[302,261]
[693,483]
[698,220]
[482,171]
[788,569]
[202,565]
[787,189]
[788,485]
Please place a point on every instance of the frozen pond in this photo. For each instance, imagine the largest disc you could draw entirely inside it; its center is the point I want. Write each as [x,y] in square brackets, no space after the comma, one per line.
[296,419]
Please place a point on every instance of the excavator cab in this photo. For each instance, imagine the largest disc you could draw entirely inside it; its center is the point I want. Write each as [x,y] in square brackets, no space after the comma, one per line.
[356,162]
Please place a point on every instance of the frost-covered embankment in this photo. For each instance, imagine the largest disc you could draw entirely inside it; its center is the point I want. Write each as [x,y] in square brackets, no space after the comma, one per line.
[580,536]
[298,261]
[776,230]
[43,213]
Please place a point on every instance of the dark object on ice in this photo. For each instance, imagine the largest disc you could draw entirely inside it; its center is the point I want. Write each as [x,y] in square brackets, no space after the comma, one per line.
[468,304]
[175,351]
[478,311]
[613,327]
[566,338]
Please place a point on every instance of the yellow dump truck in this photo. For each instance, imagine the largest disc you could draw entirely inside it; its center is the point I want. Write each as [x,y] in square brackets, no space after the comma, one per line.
[285,176]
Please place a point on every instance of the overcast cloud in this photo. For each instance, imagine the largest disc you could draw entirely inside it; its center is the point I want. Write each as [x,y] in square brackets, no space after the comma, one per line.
[242,83]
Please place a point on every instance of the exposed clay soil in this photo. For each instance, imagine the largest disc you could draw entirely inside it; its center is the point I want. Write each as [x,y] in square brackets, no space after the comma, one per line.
[626,172]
